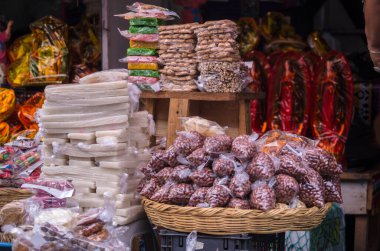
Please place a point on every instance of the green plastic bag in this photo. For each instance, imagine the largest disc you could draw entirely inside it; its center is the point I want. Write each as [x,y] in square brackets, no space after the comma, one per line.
[144,73]
[141,52]
[145,21]
[143,30]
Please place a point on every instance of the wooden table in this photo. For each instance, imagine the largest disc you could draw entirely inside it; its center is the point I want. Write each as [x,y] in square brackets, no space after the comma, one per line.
[228,109]
[361,198]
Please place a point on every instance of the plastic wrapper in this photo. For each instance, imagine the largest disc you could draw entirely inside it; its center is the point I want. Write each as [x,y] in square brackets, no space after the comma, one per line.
[203,177]
[260,72]
[170,157]
[139,37]
[58,188]
[162,194]
[20,47]
[218,144]
[13,213]
[157,160]
[289,94]
[25,163]
[143,66]
[224,166]
[142,80]
[318,44]
[286,188]
[181,174]
[49,57]
[147,21]
[143,30]
[250,36]
[105,76]
[262,197]
[238,204]
[180,193]
[332,188]
[218,196]
[50,202]
[261,167]
[164,175]
[148,170]
[142,44]
[333,108]
[292,165]
[150,188]
[139,7]
[240,185]
[198,157]
[243,147]
[144,73]
[26,113]
[198,197]
[4,132]
[7,103]
[312,189]
[142,184]
[203,126]
[57,216]
[139,59]
[321,161]
[141,52]
[187,142]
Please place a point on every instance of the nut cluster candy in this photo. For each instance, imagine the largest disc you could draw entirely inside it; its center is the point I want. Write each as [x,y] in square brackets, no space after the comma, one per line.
[223,166]
[261,167]
[148,170]
[240,185]
[157,162]
[321,161]
[332,188]
[198,157]
[142,184]
[262,198]
[180,193]
[217,144]
[292,165]
[188,142]
[217,196]
[238,204]
[203,178]
[286,188]
[162,194]
[312,189]
[198,197]
[170,157]
[150,188]
[164,175]
[181,174]
[243,147]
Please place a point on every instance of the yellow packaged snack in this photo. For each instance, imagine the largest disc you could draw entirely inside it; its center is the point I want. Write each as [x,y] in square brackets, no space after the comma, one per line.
[141,44]
[7,103]
[143,66]
[20,47]
[4,132]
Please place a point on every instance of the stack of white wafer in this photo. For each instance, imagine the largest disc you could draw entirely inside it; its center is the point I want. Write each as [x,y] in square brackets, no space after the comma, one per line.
[93,139]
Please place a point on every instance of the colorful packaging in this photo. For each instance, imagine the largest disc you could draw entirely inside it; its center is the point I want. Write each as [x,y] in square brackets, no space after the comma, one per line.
[7,103]
[143,30]
[144,73]
[142,44]
[143,66]
[141,52]
[145,21]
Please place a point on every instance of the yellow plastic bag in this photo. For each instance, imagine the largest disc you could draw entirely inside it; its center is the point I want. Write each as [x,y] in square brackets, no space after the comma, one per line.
[143,66]
[4,132]
[18,72]
[141,44]
[20,47]
[7,103]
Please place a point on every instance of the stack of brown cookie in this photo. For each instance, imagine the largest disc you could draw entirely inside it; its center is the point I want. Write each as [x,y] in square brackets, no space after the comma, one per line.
[177,54]
[218,56]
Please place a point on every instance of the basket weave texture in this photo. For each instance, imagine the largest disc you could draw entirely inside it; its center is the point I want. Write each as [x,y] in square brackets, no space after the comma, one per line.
[8,195]
[228,221]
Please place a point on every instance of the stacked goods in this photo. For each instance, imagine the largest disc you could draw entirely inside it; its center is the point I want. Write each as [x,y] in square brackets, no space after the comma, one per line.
[218,55]
[177,54]
[143,34]
[218,171]
[93,137]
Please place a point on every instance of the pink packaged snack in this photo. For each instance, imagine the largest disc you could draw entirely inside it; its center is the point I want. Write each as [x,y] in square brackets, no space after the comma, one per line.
[150,188]
[180,193]
[238,204]
[147,170]
[157,161]
[217,196]
[321,161]
[243,147]
[292,165]
[162,194]
[139,7]
[141,184]
[203,178]
[286,188]
[240,185]
[332,188]
[57,188]
[164,175]
[198,157]
[142,80]
[262,197]
[170,157]
[49,202]
[224,166]
[181,174]
[139,59]
[261,167]
[218,144]
[312,189]
[198,197]
[145,38]
[187,142]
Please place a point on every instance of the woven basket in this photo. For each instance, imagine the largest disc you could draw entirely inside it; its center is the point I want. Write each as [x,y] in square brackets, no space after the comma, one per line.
[5,237]
[10,194]
[228,221]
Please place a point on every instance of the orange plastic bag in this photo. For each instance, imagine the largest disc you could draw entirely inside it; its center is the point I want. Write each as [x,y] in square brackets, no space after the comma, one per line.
[7,103]
[27,111]
[141,44]
[4,132]
[143,66]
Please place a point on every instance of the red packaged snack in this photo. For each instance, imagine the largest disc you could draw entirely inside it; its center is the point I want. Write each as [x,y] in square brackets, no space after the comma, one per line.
[181,174]
[224,166]
[198,197]
[333,98]
[187,142]
[180,193]
[260,73]
[312,189]
[217,196]
[217,144]
[243,147]
[289,94]
[262,197]
[286,188]
[203,178]
[240,185]
[332,188]
[261,167]
[238,203]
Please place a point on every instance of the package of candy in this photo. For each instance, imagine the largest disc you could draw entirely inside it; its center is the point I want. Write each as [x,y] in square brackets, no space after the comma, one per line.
[7,103]
[143,30]
[141,52]
[146,21]
[143,44]
[143,66]
[144,73]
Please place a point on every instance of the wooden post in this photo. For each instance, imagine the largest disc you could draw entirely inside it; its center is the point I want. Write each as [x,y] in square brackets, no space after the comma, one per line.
[244,117]
[177,108]
[361,233]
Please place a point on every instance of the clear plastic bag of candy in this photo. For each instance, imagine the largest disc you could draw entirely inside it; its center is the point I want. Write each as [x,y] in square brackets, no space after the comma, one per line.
[203,126]
[138,59]
[141,52]
[143,66]
[143,44]
[143,30]
[145,21]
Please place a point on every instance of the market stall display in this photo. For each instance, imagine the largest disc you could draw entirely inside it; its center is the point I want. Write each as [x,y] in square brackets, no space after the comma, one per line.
[101,152]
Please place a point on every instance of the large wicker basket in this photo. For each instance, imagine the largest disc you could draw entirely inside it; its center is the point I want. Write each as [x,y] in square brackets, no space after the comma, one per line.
[10,194]
[228,221]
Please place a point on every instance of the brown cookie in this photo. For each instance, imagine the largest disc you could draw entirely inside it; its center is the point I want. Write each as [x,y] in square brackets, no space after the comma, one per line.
[176,36]
[177,41]
[177,31]
[177,27]
[163,76]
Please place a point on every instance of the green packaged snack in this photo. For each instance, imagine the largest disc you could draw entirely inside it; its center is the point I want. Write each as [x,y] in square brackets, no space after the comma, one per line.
[143,30]
[141,52]
[144,73]
[145,21]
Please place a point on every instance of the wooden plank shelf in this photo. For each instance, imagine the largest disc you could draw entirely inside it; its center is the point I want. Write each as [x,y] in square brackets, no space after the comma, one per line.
[205,96]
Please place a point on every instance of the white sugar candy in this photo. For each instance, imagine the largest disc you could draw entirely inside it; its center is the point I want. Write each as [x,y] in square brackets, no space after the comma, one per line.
[49,141]
[82,136]
[118,164]
[103,121]
[73,161]
[86,87]
[80,116]
[52,96]
[89,102]
[87,129]
[79,141]
[52,110]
